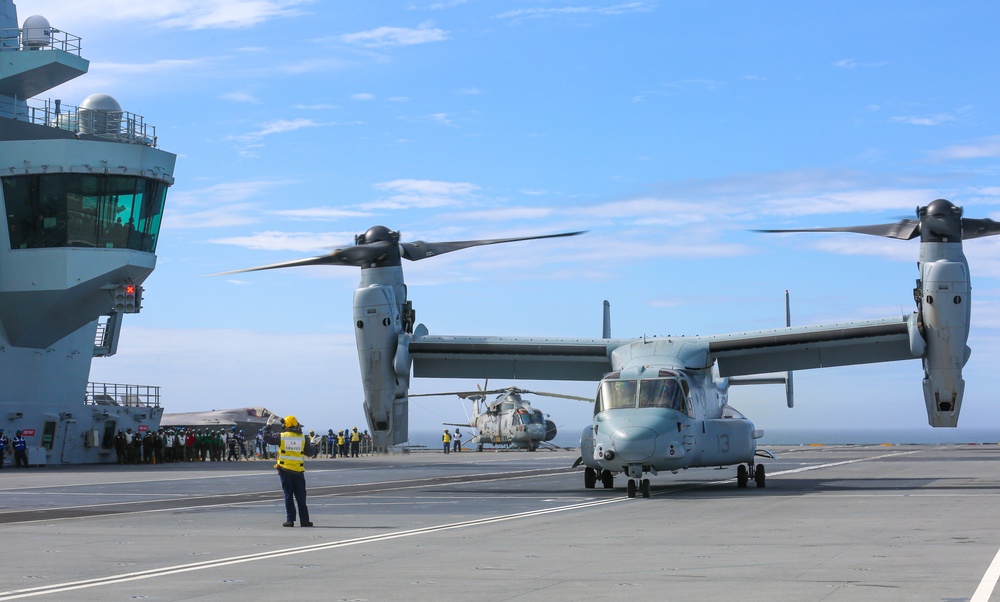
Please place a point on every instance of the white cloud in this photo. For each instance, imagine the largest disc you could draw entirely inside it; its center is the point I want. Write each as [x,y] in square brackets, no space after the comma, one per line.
[613,9]
[506,214]
[239,97]
[937,119]
[224,205]
[223,194]
[177,14]
[422,194]
[384,37]
[216,217]
[300,242]
[316,107]
[326,214]
[160,66]
[848,202]
[853,64]
[363,96]
[852,244]
[314,65]
[440,119]
[278,126]
[985,148]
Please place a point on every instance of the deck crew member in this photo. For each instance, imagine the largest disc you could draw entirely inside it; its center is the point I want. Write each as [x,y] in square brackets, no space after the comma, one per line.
[20,450]
[293,447]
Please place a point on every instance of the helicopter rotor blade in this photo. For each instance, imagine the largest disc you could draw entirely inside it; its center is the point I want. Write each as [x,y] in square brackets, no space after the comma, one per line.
[906,229]
[358,256]
[559,395]
[977,228]
[939,221]
[462,394]
[380,247]
[418,249]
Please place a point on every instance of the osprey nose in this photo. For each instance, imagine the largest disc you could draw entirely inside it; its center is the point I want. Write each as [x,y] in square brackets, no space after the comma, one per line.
[634,443]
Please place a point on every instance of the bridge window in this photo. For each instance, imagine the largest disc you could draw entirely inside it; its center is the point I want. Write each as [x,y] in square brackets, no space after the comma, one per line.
[83,210]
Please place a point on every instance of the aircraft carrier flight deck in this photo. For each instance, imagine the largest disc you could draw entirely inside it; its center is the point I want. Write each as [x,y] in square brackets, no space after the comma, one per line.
[834,523]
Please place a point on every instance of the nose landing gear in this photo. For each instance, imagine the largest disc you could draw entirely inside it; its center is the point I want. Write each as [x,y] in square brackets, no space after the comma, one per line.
[743,472]
[641,485]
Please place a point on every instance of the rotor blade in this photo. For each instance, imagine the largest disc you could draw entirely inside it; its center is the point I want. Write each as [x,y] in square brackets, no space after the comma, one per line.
[462,394]
[418,249]
[559,395]
[977,228]
[358,256]
[904,230]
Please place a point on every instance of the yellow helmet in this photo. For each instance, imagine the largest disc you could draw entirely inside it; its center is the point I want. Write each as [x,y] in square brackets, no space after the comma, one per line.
[291,422]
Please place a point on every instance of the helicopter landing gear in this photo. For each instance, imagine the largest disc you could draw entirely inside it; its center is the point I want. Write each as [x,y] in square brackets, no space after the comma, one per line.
[589,477]
[479,447]
[607,479]
[642,486]
[743,472]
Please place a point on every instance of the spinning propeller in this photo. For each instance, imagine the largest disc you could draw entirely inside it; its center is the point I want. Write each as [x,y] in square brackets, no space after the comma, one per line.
[380,247]
[940,221]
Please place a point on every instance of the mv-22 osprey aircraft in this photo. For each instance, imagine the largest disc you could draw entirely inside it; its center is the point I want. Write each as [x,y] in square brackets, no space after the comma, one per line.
[659,407]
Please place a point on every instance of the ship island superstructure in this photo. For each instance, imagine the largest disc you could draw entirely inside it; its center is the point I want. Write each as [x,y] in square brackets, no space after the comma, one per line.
[83,190]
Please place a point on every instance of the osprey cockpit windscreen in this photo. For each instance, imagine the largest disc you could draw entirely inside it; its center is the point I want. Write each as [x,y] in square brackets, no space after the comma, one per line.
[667,391]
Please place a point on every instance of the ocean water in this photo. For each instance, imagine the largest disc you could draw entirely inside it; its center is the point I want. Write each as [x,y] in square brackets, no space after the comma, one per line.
[570,437]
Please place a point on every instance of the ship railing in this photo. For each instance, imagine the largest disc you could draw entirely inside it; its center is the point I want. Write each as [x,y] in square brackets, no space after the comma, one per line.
[114,394]
[120,126]
[13,39]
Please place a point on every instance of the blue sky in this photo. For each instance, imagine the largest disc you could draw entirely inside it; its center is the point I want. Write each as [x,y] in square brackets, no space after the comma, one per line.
[667,130]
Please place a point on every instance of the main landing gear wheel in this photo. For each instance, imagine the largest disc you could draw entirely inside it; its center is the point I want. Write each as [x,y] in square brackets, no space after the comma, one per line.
[589,477]
[607,479]
[479,447]
[644,487]
[742,475]
[631,487]
[758,475]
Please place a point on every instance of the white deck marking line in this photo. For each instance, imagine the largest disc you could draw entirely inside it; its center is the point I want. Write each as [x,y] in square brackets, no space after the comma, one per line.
[985,589]
[795,470]
[197,566]
[404,484]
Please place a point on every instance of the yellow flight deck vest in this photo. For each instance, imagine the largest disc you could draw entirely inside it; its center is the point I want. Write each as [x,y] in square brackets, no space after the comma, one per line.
[291,452]
[355,436]
[446,438]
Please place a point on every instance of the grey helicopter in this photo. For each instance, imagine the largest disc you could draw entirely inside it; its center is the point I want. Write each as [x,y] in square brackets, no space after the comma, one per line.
[509,420]
[689,422]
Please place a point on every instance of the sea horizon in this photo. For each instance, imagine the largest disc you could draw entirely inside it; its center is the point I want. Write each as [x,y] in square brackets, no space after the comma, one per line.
[796,436]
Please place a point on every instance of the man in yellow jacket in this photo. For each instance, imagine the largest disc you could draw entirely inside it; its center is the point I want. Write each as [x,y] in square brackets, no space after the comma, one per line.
[293,447]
